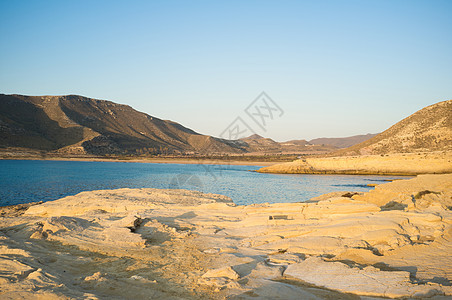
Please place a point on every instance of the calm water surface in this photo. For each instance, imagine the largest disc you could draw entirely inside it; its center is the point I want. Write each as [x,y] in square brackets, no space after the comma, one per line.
[24,181]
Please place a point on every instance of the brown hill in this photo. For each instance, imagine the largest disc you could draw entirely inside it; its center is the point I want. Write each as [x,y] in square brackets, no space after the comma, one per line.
[343,142]
[307,147]
[257,144]
[297,143]
[76,124]
[419,144]
[253,137]
[429,129]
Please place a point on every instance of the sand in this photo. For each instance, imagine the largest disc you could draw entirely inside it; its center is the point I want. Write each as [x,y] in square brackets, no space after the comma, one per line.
[389,164]
[392,242]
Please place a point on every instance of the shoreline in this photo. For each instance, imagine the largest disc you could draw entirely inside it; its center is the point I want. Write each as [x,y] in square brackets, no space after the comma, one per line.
[275,167]
[397,164]
[151,160]
[391,242]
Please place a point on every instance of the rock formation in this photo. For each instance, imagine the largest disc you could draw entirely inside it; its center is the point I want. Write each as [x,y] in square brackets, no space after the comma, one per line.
[394,241]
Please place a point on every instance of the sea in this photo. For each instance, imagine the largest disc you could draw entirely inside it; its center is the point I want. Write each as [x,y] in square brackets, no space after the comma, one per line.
[23,181]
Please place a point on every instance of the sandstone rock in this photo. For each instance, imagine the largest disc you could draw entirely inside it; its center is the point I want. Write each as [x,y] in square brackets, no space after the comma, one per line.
[98,276]
[174,236]
[368,281]
[226,272]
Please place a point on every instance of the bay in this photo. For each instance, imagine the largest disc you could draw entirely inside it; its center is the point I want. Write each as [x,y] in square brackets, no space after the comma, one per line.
[23,181]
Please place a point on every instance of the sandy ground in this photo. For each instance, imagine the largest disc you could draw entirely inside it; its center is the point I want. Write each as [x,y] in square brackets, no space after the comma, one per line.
[395,241]
[390,164]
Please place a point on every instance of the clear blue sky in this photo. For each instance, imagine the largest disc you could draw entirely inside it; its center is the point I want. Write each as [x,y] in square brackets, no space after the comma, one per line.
[336,68]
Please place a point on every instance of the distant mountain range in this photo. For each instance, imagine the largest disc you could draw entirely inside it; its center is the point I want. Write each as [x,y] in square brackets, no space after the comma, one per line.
[429,129]
[343,142]
[75,125]
[258,144]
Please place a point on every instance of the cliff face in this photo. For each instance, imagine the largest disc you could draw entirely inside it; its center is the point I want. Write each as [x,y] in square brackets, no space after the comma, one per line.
[77,124]
[429,129]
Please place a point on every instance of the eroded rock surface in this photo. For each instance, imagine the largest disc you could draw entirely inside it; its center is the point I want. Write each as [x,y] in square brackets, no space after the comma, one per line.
[395,241]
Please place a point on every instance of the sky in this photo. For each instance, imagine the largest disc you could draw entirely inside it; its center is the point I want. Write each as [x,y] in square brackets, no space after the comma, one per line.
[334,68]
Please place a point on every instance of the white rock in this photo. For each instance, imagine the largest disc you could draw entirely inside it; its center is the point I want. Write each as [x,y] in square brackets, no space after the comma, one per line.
[369,281]
[226,272]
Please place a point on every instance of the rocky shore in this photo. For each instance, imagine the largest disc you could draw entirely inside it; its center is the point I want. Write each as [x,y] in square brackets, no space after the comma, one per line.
[388,164]
[394,241]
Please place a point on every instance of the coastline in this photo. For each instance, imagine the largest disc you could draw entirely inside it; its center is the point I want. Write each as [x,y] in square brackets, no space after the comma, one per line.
[399,164]
[151,160]
[391,242]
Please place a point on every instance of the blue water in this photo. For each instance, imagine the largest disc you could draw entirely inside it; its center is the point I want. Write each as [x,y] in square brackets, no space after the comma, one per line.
[23,181]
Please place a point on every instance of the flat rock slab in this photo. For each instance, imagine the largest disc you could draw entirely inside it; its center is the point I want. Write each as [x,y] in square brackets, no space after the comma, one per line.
[368,281]
[178,244]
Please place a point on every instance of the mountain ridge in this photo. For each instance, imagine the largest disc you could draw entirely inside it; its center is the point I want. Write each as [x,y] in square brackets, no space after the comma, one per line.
[419,144]
[76,124]
[343,142]
[428,129]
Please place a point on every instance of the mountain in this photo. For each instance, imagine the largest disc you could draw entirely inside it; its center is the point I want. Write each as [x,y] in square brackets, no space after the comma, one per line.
[297,143]
[309,148]
[343,142]
[429,129]
[72,125]
[259,145]
[419,144]
[253,137]
[75,125]
[256,143]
